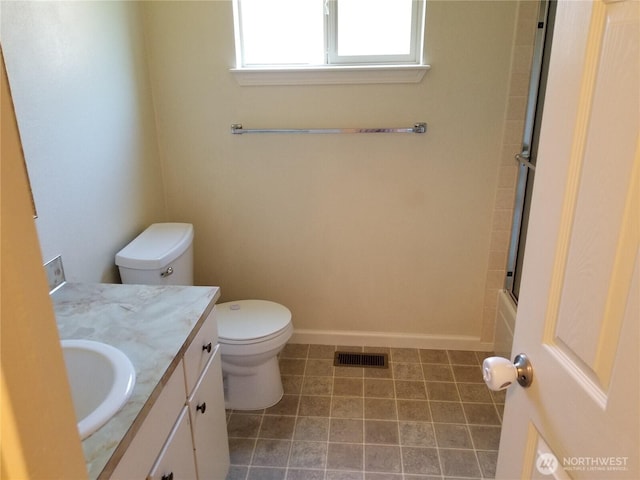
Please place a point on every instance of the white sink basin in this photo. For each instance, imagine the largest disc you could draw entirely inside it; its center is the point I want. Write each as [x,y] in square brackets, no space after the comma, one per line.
[102,380]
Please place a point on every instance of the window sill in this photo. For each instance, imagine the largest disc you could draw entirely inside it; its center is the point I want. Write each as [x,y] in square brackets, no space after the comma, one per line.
[334,75]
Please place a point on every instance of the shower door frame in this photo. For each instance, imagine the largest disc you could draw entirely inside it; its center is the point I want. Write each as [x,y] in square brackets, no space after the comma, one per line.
[527,156]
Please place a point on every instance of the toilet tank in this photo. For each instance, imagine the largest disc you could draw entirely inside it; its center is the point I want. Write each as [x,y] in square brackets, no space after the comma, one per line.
[161,255]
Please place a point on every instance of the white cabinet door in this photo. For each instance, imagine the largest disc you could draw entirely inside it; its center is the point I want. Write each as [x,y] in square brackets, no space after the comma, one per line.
[176,461]
[200,351]
[144,449]
[208,423]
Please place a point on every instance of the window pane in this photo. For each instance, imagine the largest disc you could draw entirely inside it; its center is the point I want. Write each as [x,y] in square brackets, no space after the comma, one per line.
[374,27]
[282,31]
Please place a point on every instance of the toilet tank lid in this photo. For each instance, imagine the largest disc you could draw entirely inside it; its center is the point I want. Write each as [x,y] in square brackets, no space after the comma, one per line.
[156,247]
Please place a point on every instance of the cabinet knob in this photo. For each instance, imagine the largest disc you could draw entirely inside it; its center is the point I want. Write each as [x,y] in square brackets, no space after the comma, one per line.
[202,407]
[207,347]
[168,476]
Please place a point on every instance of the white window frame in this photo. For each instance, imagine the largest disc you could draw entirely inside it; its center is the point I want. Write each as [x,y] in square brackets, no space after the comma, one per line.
[414,57]
[339,70]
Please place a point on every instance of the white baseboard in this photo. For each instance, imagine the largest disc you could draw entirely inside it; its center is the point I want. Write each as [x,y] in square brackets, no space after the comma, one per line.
[395,340]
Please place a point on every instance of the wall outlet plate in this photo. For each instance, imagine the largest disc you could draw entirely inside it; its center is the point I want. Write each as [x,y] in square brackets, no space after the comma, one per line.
[55,273]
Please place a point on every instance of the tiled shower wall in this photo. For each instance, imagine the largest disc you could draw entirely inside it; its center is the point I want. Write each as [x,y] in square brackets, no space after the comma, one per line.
[511,145]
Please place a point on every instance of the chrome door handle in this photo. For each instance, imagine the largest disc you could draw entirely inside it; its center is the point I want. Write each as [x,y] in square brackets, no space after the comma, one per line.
[498,372]
[523,158]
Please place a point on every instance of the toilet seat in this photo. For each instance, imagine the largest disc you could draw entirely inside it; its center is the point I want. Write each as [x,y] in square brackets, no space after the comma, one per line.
[246,322]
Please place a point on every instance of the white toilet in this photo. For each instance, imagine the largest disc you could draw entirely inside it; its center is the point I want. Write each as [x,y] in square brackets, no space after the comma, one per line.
[251,332]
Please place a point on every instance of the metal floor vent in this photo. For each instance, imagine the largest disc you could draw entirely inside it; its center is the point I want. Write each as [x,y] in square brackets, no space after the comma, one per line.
[356,359]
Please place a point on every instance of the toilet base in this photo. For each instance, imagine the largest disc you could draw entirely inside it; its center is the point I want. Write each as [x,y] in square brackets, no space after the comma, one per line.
[251,388]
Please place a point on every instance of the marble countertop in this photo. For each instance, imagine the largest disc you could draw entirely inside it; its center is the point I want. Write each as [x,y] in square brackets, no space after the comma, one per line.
[153,325]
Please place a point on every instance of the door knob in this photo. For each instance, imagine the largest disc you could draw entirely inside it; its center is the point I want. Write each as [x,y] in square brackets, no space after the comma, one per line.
[498,372]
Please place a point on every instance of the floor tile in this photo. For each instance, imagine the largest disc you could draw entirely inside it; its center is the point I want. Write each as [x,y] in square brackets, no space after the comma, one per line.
[484,437]
[434,356]
[241,450]
[277,426]
[240,425]
[423,461]
[308,454]
[428,416]
[311,428]
[344,475]
[288,405]
[347,407]
[488,461]
[474,392]
[459,463]
[292,366]
[348,387]
[481,413]
[315,406]
[464,373]
[381,432]
[443,391]
[447,412]
[437,372]
[407,371]
[416,410]
[402,355]
[317,385]
[321,351]
[304,474]
[294,350]
[378,388]
[345,456]
[449,435]
[416,434]
[320,367]
[266,473]
[380,409]
[272,453]
[410,390]
[382,458]
[346,430]
[458,357]
[292,383]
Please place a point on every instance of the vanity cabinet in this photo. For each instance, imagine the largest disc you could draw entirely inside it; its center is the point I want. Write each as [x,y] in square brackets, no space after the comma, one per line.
[176,458]
[184,435]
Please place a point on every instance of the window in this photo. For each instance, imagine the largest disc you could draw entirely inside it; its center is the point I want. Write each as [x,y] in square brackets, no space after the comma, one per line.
[312,34]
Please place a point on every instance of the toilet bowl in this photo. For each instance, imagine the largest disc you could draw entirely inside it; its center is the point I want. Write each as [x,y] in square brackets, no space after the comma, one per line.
[251,333]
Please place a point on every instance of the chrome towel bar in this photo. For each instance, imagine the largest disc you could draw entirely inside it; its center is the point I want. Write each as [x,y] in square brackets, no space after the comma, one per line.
[237,129]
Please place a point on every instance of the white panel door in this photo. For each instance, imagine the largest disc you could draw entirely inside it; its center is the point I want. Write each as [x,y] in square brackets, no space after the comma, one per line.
[579,311]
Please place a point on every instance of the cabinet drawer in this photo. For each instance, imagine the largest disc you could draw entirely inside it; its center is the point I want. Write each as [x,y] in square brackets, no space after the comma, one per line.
[200,351]
[208,423]
[156,427]
[176,461]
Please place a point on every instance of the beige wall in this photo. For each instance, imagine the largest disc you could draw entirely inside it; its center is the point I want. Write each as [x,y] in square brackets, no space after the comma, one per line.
[363,234]
[80,85]
[354,233]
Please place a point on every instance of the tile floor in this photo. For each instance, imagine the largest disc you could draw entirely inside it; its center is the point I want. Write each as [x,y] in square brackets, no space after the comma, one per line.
[429,416]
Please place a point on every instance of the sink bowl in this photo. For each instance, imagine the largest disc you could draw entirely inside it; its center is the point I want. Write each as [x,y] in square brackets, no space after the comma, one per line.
[102,380]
